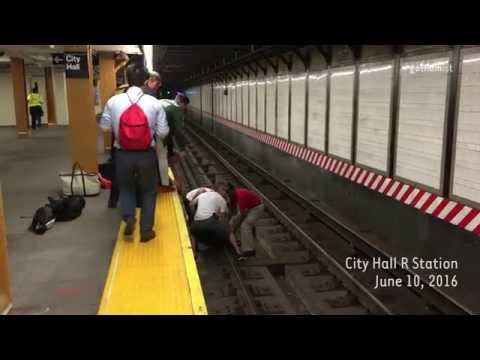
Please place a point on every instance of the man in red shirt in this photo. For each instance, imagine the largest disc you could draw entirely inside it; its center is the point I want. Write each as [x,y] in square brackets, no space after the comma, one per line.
[249,208]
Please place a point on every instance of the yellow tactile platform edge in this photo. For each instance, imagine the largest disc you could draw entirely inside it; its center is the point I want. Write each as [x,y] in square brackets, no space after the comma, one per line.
[159,277]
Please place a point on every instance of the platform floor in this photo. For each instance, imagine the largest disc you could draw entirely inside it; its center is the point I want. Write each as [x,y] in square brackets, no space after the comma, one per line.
[63,271]
[159,277]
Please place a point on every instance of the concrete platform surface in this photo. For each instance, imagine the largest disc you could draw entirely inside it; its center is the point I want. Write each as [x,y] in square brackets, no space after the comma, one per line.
[64,270]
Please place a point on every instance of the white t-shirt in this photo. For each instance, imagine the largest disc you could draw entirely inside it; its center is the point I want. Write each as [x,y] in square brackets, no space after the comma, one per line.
[209,203]
[192,193]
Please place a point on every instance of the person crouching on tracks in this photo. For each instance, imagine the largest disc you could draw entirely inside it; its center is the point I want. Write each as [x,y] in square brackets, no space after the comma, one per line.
[192,195]
[210,225]
[135,118]
[247,208]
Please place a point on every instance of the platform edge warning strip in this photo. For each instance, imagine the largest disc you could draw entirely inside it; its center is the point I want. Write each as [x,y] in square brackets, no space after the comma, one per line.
[196,298]
[198,301]
[468,220]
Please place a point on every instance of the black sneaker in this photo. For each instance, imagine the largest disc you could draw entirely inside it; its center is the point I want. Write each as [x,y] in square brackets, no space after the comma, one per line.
[129,227]
[148,236]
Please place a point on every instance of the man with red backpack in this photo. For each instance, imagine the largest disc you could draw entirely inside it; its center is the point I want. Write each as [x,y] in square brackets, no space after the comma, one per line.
[136,119]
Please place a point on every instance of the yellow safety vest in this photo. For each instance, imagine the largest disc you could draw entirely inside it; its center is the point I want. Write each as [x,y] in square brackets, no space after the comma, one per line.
[34,100]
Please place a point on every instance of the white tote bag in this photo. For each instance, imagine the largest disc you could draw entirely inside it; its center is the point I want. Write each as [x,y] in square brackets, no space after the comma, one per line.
[79,182]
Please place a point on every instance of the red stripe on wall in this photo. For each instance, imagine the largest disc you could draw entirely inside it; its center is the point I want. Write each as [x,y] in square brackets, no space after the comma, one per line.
[372,180]
[380,183]
[407,194]
[477,230]
[440,207]
[332,164]
[399,187]
[469,217]
[454,212]
[339,166]
[417,198]
[387,188]
[429,201]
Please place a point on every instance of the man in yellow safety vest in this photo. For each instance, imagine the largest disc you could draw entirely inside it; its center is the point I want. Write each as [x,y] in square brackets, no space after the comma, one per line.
[35,106]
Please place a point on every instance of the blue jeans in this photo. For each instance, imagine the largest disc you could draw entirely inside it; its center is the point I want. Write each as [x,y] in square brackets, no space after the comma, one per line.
[137,171]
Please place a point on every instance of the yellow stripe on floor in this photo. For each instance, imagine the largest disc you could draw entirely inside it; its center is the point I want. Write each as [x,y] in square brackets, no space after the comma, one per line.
[157,277]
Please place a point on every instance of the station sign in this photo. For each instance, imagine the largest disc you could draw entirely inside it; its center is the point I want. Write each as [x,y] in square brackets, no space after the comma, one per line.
[58,59]
[76,65]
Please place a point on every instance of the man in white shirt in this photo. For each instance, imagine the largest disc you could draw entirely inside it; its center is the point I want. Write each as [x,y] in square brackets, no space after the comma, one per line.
[136,164]
[210,225]
[191,195]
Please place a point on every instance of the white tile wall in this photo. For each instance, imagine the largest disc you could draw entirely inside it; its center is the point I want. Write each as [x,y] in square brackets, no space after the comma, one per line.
[466,182]
[261,102]
[423,91]
[270,108]
[282,103]
[7,103]
[252,102]
[238,92]
[245,100]
[317,97]
[341,112]
[225,102]
[298,89]
[60,89]
[233,88]
[375,86]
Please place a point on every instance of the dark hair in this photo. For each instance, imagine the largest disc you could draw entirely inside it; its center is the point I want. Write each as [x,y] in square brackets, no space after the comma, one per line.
[183,98]
[35,90]
[137,74]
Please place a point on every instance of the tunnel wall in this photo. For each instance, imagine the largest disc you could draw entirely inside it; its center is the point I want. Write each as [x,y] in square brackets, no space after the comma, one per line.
[392,225]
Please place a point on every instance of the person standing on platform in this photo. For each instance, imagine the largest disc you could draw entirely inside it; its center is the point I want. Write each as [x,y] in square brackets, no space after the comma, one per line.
[114,190]
[153,84]
[35,103]
[136,119]
[175,110]
[247,208]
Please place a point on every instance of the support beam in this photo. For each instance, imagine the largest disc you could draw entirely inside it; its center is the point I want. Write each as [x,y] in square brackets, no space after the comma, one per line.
[52,113]
[264,69]
[272,64]
[286,61]
[252,69]
[20,97]
[108,84]
[326,53]
[81,109]
[305,59]
[5,293]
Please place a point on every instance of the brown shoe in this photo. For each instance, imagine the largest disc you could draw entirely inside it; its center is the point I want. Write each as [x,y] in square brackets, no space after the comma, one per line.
[148,236]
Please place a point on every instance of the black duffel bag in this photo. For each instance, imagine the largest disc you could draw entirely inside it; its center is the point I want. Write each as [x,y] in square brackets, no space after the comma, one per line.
[43,220]
[67,207]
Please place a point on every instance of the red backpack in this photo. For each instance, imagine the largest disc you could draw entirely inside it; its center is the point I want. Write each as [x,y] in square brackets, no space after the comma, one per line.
[134,131]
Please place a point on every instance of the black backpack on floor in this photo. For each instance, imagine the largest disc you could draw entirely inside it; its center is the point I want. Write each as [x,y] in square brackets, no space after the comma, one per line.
[67,207]
[43,220]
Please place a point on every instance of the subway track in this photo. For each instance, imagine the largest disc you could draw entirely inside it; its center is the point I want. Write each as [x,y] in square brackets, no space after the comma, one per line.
[299,265]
